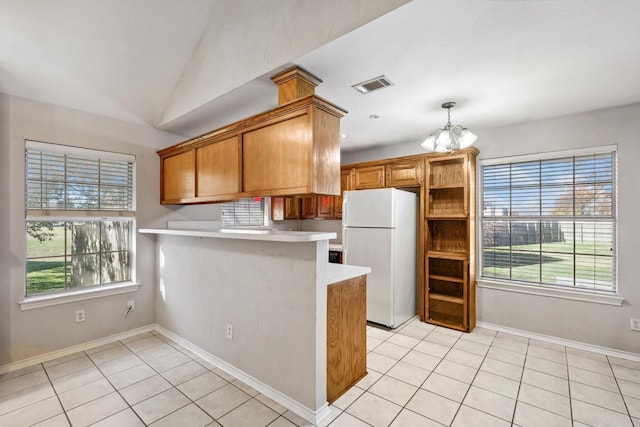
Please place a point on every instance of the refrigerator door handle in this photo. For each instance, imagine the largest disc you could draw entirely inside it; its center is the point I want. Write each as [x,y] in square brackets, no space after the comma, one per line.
[344,245]
[344,210]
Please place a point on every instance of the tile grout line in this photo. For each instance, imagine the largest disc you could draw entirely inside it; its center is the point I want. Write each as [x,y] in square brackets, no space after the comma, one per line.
[423,381]
[486,355]
[385,373]
[515,408]
[602,389]
[64,411]
[162,338]
[566,356]
[418,387]
[114,387]
[615,378]
[470,384]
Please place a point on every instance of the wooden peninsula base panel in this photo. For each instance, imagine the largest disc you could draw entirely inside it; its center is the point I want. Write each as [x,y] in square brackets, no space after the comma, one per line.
[346,335]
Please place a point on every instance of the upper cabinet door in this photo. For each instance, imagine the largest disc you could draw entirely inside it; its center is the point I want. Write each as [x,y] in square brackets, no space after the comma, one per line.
[345,185]
[178,177]
[308,207]
[285,208]
[218,168]
[404,174]
[448,186]
[279,157]
[325,206]
[369,177]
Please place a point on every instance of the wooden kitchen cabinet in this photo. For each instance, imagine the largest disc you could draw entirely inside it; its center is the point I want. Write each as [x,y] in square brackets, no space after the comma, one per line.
[218,168]
[404,173]
[293,149]
[308,207]
[450,242]
[408,173]
[325,206]
[178,177]
[285,208]
[346,335]
[345,185]
[275,157]
[369,177]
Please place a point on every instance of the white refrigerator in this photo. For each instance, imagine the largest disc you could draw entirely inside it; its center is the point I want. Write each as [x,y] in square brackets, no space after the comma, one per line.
[379,231]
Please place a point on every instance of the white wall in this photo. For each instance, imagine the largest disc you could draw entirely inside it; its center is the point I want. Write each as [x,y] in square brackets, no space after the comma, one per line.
[323,225]
[586,322]
[273,293]
[29,333]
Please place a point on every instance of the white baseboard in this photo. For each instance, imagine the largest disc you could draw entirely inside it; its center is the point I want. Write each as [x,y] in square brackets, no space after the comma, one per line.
[14,366]
[561,341]
[308,414]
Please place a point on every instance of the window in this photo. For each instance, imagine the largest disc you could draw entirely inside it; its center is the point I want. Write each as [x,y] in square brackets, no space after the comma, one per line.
[550,220]
[245,212]
[79,218]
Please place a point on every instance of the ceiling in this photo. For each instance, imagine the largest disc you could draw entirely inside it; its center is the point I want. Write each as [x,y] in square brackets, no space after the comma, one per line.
[190,66]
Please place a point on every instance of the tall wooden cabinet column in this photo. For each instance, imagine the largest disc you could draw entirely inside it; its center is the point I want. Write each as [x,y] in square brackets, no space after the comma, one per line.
[450,241]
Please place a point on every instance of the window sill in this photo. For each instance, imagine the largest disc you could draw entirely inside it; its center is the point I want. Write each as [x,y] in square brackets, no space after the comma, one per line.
[41,301]
[552,293]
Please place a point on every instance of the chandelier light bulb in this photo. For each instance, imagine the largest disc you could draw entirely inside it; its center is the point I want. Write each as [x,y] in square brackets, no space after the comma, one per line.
[450,137]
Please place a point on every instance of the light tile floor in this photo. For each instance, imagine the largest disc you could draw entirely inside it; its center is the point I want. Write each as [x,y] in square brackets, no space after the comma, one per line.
[419,375]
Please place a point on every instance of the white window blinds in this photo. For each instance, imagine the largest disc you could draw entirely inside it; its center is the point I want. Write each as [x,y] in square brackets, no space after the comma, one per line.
[69,179]
[244,212]
[551,221]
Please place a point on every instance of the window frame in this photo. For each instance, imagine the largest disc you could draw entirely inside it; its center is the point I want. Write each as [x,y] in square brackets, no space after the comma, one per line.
[538,288]
[44,214]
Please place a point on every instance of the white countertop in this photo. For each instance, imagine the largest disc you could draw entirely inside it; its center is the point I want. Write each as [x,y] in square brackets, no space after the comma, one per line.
[246,234]
[340,272]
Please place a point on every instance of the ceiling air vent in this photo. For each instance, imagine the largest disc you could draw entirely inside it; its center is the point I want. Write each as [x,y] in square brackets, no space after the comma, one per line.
[373,84]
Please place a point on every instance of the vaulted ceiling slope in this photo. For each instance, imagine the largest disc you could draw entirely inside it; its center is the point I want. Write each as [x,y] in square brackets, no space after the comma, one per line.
[190,66]
[152,62]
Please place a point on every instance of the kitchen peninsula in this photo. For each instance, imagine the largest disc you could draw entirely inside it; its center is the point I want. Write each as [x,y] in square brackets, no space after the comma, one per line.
[254,302]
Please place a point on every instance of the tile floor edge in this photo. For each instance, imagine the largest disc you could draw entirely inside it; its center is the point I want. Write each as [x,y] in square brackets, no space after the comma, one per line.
[305,412]
[41,358]
[607,351]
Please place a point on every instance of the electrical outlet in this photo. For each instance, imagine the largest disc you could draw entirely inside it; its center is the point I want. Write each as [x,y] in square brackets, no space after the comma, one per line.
[131,305]
[80,315]
[635,324]
[229,331]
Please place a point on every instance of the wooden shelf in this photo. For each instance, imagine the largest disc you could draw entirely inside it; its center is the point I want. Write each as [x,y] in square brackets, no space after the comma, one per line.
[447,236]
[456,323]
[447,255]
[448,298]
[445,186]
[444,217]
[446,278]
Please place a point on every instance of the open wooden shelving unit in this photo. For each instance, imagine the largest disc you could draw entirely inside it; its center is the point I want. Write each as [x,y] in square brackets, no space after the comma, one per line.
[450,241]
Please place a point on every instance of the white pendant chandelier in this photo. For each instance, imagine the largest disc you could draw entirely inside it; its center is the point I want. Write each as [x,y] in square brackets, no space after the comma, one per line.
[450,137]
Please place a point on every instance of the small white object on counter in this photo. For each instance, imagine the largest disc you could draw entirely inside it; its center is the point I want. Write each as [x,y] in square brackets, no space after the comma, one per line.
[246,234]
[335,247]
[339,272]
